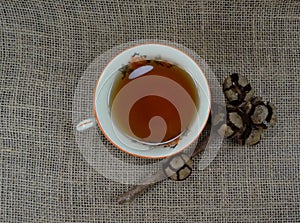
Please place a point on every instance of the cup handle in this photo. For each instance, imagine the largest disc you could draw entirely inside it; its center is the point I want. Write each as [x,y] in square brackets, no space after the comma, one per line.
[86,124]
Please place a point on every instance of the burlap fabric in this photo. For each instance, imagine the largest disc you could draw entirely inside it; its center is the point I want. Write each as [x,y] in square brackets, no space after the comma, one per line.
[45,48]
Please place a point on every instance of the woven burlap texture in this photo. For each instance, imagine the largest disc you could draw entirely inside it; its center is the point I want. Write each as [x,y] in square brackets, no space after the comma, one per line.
[47,45]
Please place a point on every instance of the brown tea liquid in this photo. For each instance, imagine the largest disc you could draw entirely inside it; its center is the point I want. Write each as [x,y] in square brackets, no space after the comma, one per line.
[153,101]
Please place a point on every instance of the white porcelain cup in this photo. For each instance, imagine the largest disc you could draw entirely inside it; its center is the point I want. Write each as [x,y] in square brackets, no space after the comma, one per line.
[102,111]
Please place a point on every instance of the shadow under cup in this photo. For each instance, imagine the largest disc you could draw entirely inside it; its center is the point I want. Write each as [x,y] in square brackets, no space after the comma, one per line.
[152,107]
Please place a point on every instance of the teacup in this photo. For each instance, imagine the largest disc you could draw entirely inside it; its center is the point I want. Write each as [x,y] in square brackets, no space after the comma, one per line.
[103,108]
